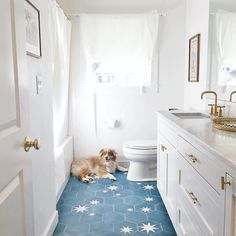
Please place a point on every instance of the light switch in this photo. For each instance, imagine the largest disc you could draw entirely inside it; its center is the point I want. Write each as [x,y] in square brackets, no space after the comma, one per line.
[39,84]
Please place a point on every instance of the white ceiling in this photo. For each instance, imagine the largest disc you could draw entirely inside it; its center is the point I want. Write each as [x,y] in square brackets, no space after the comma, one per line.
[116,6]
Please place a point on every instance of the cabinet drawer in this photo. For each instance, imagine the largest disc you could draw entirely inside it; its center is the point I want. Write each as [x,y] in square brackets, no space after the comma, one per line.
[201,198]
[186,225]
[167,131]
[205,165]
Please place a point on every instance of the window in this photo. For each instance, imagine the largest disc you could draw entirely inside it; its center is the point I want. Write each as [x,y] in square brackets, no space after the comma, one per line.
[119,49]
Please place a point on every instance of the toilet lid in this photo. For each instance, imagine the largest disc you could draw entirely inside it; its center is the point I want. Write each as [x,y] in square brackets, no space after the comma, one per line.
[141,144]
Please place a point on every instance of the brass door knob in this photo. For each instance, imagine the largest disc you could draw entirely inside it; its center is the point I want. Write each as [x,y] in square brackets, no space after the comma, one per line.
[28,144]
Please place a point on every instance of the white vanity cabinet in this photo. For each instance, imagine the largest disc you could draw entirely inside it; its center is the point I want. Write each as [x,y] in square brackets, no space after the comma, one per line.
[230,206]
[189,181]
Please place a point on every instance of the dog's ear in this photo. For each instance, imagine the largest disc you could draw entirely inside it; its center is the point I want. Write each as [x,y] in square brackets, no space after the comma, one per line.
[101,151]
[114,152]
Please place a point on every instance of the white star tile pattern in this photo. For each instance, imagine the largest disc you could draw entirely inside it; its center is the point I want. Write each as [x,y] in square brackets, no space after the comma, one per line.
[148,187]
[148,199]
[81,209]
[146,209]
[108,208]
[126,230]
[148,228]
[112,187]
[94,202]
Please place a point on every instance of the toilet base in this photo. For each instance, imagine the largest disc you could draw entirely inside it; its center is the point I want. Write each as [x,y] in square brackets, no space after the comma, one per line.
[140,171]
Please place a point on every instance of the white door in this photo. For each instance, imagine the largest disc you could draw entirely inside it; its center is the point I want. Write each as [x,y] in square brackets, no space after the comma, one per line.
[230,207]
[16,212]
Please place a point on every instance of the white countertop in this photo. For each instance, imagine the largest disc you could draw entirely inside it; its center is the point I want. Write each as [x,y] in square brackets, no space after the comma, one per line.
[221,144]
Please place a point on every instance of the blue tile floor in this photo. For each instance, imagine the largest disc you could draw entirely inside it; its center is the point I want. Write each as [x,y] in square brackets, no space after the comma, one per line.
[112,208]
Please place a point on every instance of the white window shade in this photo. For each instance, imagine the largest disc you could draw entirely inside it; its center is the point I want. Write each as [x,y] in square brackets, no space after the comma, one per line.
[119,48]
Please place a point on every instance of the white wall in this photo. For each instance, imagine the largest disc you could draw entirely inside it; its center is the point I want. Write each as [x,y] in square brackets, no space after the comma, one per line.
[197,15]
[41,126]
[135,111]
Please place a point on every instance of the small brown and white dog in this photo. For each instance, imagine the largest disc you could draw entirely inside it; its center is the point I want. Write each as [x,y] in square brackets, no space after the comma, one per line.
[102,166]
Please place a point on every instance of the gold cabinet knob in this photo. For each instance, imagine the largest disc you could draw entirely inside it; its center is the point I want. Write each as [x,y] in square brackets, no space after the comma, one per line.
[163,148]
[223,182]
[28,144]
[192,158]
[192,197]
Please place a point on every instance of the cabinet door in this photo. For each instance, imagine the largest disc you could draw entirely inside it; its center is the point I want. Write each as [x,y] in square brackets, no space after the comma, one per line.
[162,167]
[230,207]
[168,176]
[172,179]
[185,224]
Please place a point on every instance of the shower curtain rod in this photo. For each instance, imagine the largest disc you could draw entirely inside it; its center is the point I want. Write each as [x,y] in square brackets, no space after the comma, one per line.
[58,6]
[78,14]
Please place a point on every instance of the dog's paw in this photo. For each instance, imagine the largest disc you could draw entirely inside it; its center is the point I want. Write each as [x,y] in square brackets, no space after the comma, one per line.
[91,180]
[85,180]
[88,179]
[112,177]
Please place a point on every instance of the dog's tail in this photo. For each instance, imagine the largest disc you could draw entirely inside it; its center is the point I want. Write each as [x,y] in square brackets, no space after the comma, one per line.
[75,169]
[121,168]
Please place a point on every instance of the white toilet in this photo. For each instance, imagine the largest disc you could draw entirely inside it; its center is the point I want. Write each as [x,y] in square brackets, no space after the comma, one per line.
[142,155]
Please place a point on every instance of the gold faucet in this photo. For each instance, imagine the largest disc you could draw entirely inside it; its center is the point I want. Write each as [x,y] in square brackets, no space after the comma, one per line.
[215,113]
[231,96]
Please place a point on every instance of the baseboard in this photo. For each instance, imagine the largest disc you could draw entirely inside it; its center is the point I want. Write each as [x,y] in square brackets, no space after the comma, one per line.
[51,225]
[63,185]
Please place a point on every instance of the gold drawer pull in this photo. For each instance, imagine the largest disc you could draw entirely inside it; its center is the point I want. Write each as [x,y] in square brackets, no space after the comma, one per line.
[192,196]
[163,148]
[192,158]
[223,182]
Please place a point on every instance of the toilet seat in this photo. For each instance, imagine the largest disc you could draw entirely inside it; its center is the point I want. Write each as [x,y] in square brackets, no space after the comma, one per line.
[141,145]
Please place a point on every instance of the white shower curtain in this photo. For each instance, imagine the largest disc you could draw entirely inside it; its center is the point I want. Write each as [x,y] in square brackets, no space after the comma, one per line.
[61,36]
[60,29]
[226,45]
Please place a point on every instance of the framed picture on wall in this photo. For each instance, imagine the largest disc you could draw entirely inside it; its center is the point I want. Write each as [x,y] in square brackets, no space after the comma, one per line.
[32,27]
[194,58]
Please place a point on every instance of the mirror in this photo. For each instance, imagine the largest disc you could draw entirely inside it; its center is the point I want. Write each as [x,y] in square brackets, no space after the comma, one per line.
[222,47]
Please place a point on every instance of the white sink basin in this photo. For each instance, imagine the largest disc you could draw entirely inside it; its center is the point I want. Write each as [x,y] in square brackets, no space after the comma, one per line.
[191,115]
